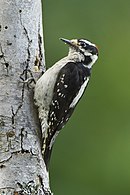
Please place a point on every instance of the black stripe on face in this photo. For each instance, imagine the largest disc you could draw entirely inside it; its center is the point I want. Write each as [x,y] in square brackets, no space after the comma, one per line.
[93,50]
[88,47]
[87,60]
[84,44]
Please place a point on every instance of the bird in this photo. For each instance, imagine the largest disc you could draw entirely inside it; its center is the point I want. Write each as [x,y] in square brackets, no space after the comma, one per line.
[59,89]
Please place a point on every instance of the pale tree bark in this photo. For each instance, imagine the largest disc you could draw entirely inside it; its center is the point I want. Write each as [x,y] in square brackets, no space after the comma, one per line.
[22,169]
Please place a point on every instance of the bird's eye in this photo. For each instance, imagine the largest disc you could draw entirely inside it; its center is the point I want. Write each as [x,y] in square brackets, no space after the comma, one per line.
[83,44]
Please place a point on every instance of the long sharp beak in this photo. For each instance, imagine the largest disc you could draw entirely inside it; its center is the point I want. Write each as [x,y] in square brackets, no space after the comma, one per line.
[72,43]
[66,41]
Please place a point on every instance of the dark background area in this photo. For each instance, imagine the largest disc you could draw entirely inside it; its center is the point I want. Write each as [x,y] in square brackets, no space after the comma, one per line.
[92,153]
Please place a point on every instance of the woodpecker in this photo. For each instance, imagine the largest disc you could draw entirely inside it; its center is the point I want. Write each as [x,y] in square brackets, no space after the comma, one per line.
[60,88]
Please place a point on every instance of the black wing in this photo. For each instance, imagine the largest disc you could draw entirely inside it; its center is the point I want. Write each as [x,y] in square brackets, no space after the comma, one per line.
[69,81]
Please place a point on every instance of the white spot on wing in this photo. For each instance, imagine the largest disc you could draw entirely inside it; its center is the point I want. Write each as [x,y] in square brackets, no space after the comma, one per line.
[76,99]
[63,75]
[65,86]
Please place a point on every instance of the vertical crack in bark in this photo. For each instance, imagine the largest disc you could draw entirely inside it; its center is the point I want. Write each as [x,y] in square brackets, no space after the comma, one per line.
[29,41]
[13,116]
[2,56]
[14,113]
[40,48]
[39,64]
[25,74]
[27,68]
[22,137]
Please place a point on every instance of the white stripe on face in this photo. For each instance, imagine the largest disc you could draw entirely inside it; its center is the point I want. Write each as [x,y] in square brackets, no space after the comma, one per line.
[88,42]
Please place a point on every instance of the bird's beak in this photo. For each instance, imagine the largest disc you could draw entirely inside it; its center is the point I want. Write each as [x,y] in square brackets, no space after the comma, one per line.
[73,42]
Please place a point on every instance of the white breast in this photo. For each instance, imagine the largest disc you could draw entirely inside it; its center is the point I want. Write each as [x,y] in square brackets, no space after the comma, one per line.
[80,93]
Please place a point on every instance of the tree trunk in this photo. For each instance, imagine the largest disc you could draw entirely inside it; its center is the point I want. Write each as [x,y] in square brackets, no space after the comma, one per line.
[22,169]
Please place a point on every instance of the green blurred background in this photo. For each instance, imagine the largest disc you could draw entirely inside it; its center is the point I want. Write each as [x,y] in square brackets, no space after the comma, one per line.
[92,153]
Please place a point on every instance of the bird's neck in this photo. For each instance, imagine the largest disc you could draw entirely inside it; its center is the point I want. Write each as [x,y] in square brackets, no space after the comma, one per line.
[75,55]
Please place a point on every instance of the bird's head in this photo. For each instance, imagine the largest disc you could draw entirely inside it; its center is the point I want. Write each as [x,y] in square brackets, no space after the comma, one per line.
[88,50]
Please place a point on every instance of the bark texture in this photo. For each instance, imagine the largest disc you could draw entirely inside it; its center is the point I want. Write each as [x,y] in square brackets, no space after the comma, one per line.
[22,169]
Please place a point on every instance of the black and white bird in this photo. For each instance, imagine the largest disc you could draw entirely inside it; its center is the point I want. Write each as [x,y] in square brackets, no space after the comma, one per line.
[60,88]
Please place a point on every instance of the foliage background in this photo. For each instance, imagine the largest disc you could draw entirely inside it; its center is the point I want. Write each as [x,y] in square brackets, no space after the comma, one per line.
[92,154]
